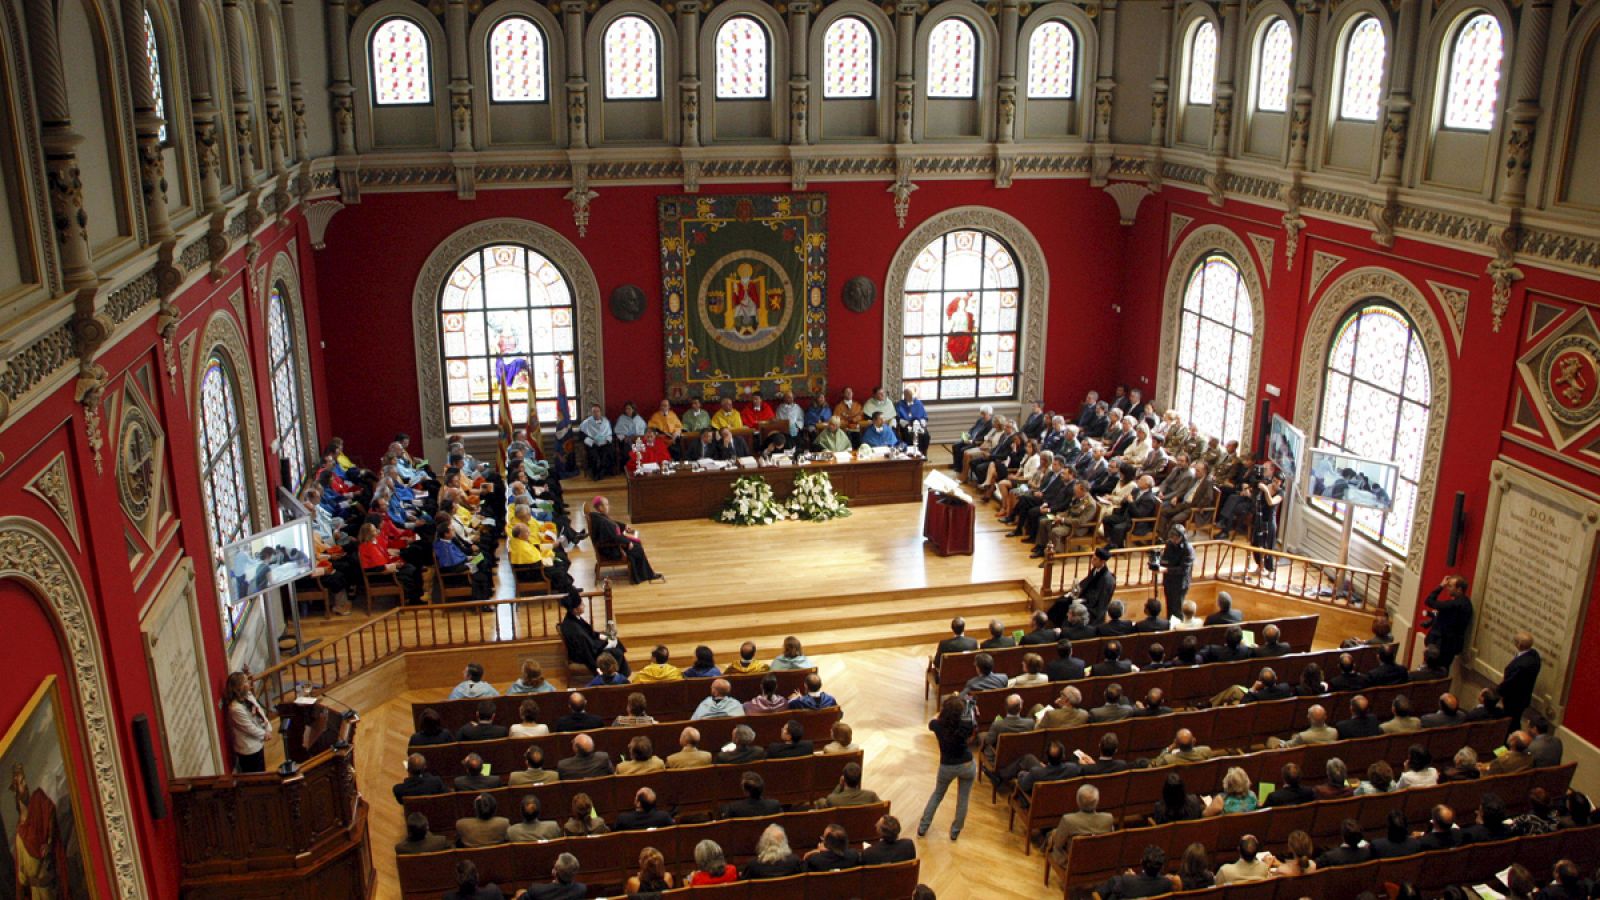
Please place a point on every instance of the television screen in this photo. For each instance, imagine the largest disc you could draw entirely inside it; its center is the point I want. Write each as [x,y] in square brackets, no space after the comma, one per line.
[1340,478]
[266,560]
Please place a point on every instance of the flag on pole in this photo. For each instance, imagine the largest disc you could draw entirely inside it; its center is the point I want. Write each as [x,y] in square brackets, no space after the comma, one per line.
[535,430]
[565,464]
[505,423]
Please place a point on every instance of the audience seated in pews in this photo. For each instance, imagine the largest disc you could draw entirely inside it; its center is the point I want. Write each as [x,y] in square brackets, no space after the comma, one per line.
[689,756]
[747,664]
[585,761]
[531,827]
[644,813]
[483,828]
[793,744]
[472,685]
[637,713]
[773,858]
[467,886]
[842,740]
[652,876]
[754,804]
[794,657]
[419,838]
[833,852]
[474,778]
[848,792]
[705,664]
[533,771]
[563,884]
[482,727]
[583,820]
[419,781]
[642,758]
[769,700]
[578,717]
[741,749]
[720,703]
[1087,820]
[529,724]
[814,697]
[711,866]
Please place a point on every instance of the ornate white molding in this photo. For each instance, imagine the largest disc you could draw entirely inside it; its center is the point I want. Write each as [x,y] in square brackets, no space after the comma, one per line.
[425,314]
[1203,240]
[1175,227]
[1035,282]
[51,485]
[284,271]
[318,217]
[1264,249]
[1322,265]
[1453,301]
[1128,195]
[30,554]
[222,334]
[1344,294]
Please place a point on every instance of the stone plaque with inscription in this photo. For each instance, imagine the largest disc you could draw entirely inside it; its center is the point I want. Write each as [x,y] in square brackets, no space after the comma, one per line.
[177,664]
[1535,565]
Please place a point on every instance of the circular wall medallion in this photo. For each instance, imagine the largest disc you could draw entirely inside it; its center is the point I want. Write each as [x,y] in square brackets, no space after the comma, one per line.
[136,463]
[627,302]
[1571,379]
[859,292]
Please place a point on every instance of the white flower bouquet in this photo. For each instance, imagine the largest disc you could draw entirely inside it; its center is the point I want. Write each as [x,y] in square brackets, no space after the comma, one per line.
[751,503]
[814,500]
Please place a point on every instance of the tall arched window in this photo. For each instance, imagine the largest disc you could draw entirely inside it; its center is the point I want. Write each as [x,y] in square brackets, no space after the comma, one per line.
[152,50]
[517,62]
[1364,53]
[1275,67]
[222,467]
[742,60]
[963,312]
[1375,403]
[506,314]
[1214,349]
[1052,57]
[401,72]
[953,60]
[284,372]
[1202,73]
[632,59]
[848,60]
[1474,83]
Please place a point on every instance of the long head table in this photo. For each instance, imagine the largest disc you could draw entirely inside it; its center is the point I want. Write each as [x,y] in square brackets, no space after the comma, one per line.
[699,495]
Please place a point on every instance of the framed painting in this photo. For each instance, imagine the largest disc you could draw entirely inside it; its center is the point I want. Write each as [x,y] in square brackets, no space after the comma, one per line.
[44,856]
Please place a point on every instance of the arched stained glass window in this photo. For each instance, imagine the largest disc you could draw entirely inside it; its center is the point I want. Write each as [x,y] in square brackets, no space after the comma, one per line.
[284,370]
[848,60]
[1376,403]
[1215,349]
[152,50]
[516,62]
[223,478]
[1275,68]
[963,315]
[1364,54]
[1202,64]
[401,73]
[506,314]
[741,59]
[953,60]
[632,59]
[1052,58]
[1474,83]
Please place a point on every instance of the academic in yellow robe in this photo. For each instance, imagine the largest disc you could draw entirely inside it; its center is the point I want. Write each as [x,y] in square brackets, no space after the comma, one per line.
[656,672]
[727,418]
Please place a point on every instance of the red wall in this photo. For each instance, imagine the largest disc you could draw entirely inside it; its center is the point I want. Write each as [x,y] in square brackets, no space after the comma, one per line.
[369,265]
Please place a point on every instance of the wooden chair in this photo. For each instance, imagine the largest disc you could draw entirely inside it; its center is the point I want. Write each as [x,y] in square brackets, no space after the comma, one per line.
[313,590]
[1084,537]
[1147,539]
[530,580]
[376,583]
[1204,520]
[452,587]
[605,557]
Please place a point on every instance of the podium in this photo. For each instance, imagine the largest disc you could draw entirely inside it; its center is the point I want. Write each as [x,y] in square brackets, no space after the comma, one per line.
[948,524]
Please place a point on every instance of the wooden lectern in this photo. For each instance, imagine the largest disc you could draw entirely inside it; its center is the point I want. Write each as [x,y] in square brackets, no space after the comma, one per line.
[948,523]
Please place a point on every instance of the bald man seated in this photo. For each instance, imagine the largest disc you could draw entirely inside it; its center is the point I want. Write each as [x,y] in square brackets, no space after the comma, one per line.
[585,761]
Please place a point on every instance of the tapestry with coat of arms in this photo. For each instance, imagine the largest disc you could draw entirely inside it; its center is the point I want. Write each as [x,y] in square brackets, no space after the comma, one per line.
[744,286]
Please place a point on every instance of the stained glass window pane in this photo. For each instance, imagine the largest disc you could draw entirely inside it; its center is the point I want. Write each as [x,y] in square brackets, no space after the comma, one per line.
[1376,403]
[506,313]
[963,306]
[1277,63]
[741,59]
[632,60]
[1051,60]
[152,52]
[1202,64]
[287,409]
[1215,345]
[400,69]
[1363,71]
[848,60]
[226,493]
[516,61]
[953,60]
[1474,75]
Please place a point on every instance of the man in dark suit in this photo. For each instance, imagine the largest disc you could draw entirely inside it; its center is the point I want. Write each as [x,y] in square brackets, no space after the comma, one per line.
[753,804]
[743,737]
[1112,662]
[1291,792]
[1114,709]
[1225,614]
[1055,490]
[419,781]
[1114,626]
[1362,723]
[1097,587]
[615,539]
[1387,671]
[1142,504]
[1350,850]
[1057,765]
[1153,620]
[1521,674]
[482,726]
[474,779]
[644,813]
[958,642]
[890,846]
[1397,841]
[704,448]
[1107,763]
[1452,616]
[1348,678]
[419,838]
[998,639]
[833,852]
[1077,627]
[1035,423]
[564,884]
[1268,687]
[1153,704]
[1147,882]
[974,436]
[793,744]
[585,761]
[1442,834]
[1493,824]
[1271,643]
[1488,706]
[1231,649]
[1043,632]
[1065,667]
[578,717]
[1176,564]
[1449,713]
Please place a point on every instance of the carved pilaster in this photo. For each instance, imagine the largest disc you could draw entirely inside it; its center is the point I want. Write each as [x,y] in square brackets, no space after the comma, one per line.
[147,123]
[1010,19]
[902,112]
[1310,17]
[461,115]
[799,101]
[905,76]
[344,121]
[799,171]
[689,69]
[800,12]
[1158,115]
[243,134]
[1221,123]
[277,137]
[689,111]
[1383,213]
[90,331]
[1006,101]
[343,103]
[580,197]
[1532,39]
[208,156]
[1396,121]
[1293,222]
[298,135]
[572,13]
[1105,83]
[691,176]
[67,212]
[1503,271]
[902,188]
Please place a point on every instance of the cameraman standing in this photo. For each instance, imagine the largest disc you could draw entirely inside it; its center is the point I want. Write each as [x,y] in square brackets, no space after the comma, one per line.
[1176,563]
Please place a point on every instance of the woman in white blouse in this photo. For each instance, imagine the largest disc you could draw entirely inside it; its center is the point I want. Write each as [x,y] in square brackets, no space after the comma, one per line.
[248,725]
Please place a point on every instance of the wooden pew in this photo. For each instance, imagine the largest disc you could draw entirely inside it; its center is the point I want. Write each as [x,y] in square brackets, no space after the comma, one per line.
[608,859]
[505,754]
[956,669]
[1134,793]
[892,881]
[1091,859]
[666,700]
[682,791]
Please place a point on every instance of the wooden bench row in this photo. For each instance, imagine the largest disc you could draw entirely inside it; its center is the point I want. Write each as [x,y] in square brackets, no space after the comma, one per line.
[505,754]
[956,669]
[1135,792]
[1091,859]
[608,859]
[1226,726]
[893,881]
[1182,686]
[665,699]
[683,791]
[1429,872]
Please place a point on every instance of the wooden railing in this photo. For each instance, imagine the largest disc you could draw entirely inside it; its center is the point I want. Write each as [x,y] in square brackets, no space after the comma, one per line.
[1300,577]
[432,626]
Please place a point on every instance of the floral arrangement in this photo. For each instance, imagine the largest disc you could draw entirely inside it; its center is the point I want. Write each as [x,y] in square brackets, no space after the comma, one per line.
[752,503]
[814,499]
